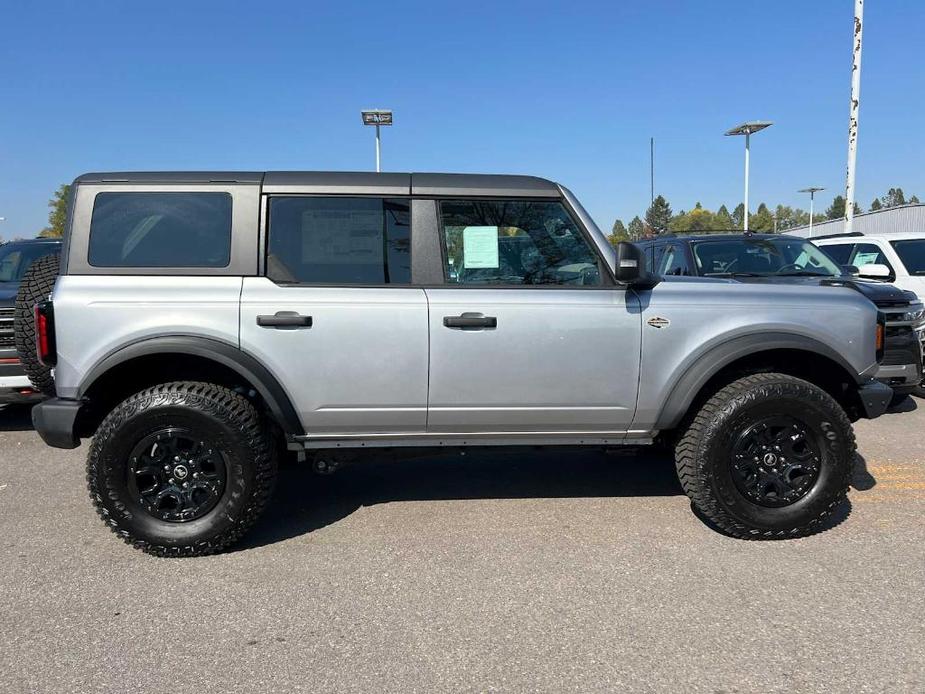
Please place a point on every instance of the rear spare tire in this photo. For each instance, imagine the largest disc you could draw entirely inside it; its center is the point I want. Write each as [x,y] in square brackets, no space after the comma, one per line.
[35,287]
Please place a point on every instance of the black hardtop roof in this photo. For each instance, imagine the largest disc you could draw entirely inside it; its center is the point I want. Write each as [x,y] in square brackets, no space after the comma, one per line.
[360,182]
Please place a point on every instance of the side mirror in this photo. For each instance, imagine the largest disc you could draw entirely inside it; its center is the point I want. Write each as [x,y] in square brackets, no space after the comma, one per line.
[631,267]
[875,271]
[850,270]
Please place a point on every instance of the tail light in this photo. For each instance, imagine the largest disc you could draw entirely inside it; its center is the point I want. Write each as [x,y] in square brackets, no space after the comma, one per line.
[45,347]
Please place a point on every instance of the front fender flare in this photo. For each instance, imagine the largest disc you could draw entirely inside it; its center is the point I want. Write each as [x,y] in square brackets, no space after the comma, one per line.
[707,365]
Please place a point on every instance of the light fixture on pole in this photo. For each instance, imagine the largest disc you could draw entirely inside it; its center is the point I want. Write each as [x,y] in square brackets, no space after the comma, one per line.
[377,117]
[812,190]
[747,129]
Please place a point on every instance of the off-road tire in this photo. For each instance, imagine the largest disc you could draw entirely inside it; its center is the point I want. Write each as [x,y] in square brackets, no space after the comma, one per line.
[35,287]
[211,411]
[703,456]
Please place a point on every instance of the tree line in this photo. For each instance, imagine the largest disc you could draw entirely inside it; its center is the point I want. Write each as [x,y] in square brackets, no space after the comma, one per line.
[659,218]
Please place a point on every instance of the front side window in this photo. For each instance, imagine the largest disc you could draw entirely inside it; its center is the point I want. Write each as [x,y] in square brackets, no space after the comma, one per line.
[839,252]
[673,261]
[339,240]
[870,254]
[912,253]
[161,230]
[515,242]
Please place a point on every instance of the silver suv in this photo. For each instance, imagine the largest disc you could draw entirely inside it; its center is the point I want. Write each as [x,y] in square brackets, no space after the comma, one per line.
[204,323]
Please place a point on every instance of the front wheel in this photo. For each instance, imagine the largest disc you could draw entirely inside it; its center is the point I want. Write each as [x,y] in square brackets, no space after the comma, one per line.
[181,469]
[769,456]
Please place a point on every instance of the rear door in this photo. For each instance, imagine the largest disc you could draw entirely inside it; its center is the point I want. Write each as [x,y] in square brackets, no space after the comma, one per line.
[335,316]
[529,333]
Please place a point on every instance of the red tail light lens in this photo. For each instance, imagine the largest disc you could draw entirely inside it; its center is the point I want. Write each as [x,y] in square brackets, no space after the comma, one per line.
[45,333]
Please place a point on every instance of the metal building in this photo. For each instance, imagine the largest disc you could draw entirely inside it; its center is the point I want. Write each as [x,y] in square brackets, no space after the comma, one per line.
[903,218]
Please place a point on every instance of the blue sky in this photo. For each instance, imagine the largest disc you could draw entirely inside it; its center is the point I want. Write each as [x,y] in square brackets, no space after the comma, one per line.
[570,91]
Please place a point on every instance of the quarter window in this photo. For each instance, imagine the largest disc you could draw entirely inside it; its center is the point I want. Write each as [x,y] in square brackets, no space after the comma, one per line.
[514,242]
[339,240]
[869,253]
[160,230]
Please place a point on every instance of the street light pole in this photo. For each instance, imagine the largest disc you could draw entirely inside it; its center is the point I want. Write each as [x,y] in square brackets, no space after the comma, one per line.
[377,117]
[853,116]
[747,129]
[812,190]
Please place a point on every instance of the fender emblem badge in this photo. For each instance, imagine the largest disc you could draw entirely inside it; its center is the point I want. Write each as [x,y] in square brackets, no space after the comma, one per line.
[658,322]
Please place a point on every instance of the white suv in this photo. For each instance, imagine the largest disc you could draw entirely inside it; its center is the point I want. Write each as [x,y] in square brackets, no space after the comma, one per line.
[897,258]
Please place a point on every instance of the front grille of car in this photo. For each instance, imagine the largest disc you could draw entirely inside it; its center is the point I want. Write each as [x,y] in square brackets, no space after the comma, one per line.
[6,328]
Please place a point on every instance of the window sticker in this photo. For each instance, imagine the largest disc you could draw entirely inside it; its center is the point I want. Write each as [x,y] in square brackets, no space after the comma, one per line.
[865,258]
[480,247]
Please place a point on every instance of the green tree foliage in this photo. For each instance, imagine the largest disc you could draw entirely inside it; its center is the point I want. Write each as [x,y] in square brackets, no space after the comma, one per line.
[914,201]
[738,215]
[722,219]
[762,220]
[58,214]
[658,215]
[836,209]
[893,198]
[636,228]
[876,205]
[618,233]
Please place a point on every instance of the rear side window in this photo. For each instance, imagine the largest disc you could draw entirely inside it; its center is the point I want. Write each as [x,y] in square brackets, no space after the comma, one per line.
[339,240]
[515,242]
[161,230]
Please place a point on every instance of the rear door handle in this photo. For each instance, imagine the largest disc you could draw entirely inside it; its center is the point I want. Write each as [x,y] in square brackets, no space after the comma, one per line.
[284,319]
[470,321]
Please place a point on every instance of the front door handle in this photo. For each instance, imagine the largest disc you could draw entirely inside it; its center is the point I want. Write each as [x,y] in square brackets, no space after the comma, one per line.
[284,319]
[470,321]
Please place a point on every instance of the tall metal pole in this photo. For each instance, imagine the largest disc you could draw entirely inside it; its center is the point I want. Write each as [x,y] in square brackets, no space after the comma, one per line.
[745,215]
[853,119]
[812,195]
[651,170]
[377,148]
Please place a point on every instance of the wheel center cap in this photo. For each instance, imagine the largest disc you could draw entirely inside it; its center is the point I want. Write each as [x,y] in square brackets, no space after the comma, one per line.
[770,459]
[180,472]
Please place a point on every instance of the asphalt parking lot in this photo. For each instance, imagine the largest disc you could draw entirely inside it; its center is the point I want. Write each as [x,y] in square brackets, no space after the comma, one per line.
[542,571]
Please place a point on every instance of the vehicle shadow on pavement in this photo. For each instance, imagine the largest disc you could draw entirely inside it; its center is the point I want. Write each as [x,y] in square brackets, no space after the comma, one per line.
[305,501]
[16,418]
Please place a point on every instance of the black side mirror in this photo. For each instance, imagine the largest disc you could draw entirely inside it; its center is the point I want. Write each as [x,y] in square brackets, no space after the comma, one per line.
[631,267]
[850,270]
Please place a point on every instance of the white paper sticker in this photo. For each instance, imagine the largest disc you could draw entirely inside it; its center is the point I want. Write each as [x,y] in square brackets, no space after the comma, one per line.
[480,247]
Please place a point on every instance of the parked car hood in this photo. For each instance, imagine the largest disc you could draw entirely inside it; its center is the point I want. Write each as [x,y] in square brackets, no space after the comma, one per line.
[881,293]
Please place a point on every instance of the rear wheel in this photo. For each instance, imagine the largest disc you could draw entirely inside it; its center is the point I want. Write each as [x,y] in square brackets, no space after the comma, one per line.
[181,469]
[769,456]
[35,287]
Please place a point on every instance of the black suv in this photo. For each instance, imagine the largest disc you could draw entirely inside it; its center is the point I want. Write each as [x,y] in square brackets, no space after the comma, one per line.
[15,259]
[778,258]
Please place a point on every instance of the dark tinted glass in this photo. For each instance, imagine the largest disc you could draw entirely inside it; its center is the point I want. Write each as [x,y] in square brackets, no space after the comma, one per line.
[15,258]
[339,240]
[912,253]
[161,230]
[839,252]
[869,254]
[515,242]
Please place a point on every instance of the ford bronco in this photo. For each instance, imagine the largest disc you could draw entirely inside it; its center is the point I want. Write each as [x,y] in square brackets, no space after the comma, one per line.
[204,323]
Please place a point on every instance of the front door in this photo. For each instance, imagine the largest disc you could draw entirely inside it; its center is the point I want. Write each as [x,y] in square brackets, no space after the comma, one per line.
[529,334]
[335,319]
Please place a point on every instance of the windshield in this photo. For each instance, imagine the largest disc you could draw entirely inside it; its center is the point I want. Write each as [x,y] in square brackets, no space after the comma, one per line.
[15,259]
[912,253]
[784,257]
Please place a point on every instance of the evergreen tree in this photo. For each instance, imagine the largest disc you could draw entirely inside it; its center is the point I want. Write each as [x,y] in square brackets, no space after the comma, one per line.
[762,220]
[875,205]
[636,228]
[914,201]
[722,219]
[618,233]
[738,215]
[658,215]
[893,198]
[836,209]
